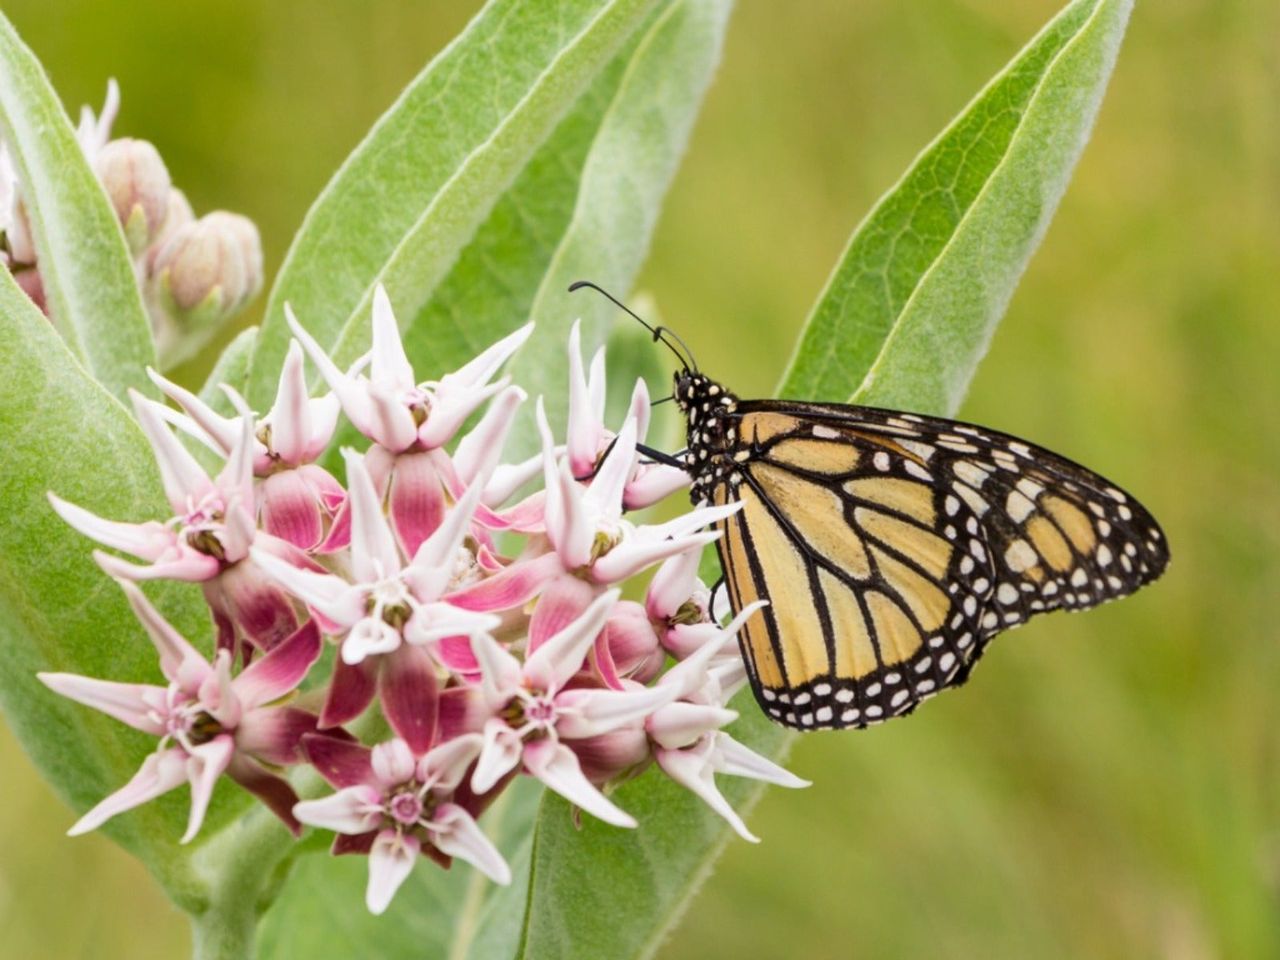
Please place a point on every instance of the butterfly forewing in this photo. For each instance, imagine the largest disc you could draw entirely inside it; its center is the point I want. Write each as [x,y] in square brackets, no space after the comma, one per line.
[892,547]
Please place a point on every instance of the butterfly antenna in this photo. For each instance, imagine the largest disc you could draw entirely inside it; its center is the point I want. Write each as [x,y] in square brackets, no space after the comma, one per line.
[660,334]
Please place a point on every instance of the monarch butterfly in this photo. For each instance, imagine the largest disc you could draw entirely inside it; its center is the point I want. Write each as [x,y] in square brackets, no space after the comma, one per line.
[892,547]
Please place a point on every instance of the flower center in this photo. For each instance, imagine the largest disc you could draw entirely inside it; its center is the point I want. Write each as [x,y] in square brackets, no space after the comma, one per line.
[405,808]
[390,599]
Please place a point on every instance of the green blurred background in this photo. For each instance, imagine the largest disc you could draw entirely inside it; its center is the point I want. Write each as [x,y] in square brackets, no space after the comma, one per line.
[1107,786]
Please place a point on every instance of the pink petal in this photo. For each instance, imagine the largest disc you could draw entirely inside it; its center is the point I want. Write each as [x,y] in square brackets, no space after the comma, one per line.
[683,724]
[370,637]
[342,762]
[481,369]
[183,478]
[391,423]
[561,603]
[290,416]
[223,430]
[572,531]
[416,500]
[352,810]
[630,644]
[635,554]
[508,478]
[673,585]
[236,476]
[585,431]
[339,537]
[654,482]
[438,551]
[393,764]
[556,766]
[180,662]
[463,710]
[290,509]
[561,656]
[160,773]
[499,669]
[391,860]
[478,452]
[589,713]
[692,770]
[258,607]
[354,399]
[605,492]
[331,596]
[274,791]
[735,759]
[360,844]
[409,692]
[454,654]
[205,764]
[188,565]
[147,540]
[274,734]
[373,549]
[511,588]
[454,832]
[281,670]
[217,695]
[499,756]
[350,691]
[617,753]
[132,703]
[444,766]
[390,365]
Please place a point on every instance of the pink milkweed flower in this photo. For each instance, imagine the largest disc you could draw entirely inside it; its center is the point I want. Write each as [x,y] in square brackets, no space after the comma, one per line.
[296,498]
[392,611]
[532,711]
[588,438]
[678,603]
[411,421]
[209,722]
[395,803]
[688,744]
[585,524]
[94,130]
[206,541]
[390,406]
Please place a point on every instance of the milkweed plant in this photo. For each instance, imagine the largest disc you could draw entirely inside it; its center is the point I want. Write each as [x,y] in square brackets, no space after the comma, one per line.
[388,584]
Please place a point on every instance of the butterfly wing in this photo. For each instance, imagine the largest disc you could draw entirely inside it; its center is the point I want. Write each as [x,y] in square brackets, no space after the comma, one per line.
[893,547]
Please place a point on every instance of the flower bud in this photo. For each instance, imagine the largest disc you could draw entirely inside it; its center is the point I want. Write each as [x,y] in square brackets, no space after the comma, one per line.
[628,647]
[204,273]
[138,185]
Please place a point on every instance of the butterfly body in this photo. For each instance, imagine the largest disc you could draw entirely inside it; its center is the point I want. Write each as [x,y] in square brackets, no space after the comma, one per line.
[892,547]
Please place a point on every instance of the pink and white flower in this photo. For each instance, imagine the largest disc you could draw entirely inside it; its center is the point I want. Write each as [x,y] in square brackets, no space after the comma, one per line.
[532,711]
[390,612]
[297,499]
[394,804]
[206,541]
[209,722]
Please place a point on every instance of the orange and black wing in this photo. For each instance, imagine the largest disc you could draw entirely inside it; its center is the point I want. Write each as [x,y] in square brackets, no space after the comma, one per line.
[893,547]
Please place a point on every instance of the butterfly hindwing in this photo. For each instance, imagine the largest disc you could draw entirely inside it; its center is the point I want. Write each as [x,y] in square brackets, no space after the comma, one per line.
[892,548]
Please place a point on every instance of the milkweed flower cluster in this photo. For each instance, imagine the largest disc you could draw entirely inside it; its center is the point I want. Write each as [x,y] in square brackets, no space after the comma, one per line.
[194,273]
[483,622]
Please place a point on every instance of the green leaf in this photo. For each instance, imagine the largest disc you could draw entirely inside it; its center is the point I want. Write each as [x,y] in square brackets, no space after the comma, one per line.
[63,432]
[414,193]
[88,276]
[536,229]
[600,891]
[912,305]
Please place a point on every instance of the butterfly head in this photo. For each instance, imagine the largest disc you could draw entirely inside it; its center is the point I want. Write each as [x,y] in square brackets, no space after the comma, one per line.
[708,409]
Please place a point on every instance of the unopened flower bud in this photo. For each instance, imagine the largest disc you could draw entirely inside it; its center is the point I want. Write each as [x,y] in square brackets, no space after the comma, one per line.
[138,185]
[178,214]
[203,274]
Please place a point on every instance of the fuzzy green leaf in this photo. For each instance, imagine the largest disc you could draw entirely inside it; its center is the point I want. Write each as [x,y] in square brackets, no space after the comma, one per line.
[910,308]
[85,267]
[58,612]
[413,194]
[601,891]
